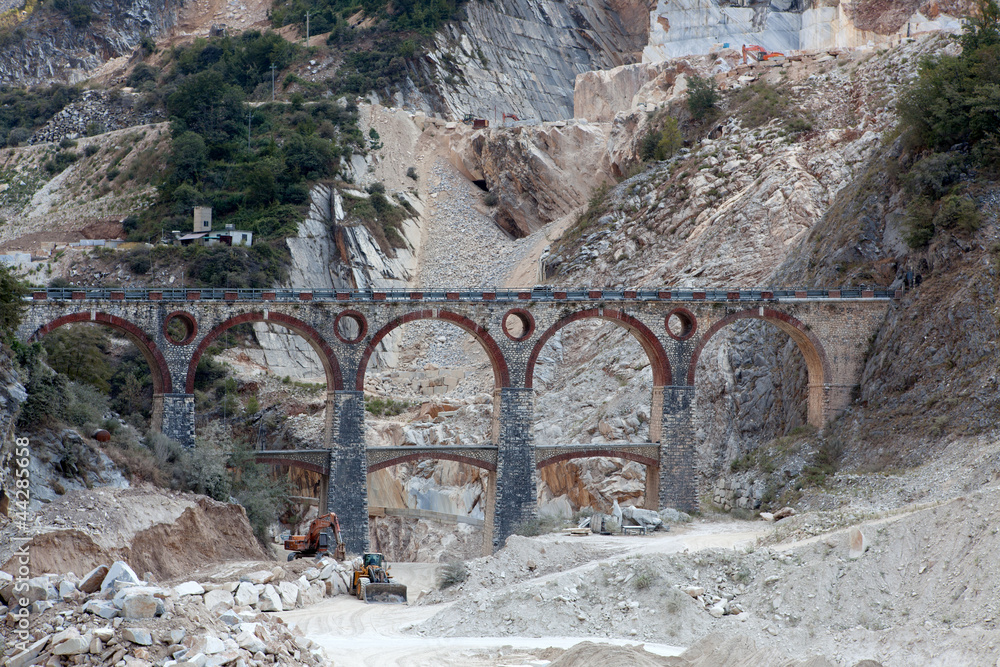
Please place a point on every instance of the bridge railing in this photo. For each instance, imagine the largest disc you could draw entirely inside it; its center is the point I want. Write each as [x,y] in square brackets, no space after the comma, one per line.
[175,294]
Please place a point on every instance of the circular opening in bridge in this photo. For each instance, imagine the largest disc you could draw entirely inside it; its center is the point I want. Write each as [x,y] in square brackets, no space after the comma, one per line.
[518,324]
[350,326]
[681,324]
[180,328]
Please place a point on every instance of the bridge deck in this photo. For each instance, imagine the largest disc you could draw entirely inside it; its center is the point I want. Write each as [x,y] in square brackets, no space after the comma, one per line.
[447,294]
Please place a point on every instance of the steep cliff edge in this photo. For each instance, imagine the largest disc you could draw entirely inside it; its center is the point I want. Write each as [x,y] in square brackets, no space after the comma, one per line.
[51,48]
[542,172]
[746,208]
[685,27]
[522,56]
[931,376]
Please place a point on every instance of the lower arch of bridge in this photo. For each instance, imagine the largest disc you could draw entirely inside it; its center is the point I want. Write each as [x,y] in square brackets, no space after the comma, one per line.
[597,451]
[651,492]
[647,339]
[331,366]
[423,456]
[158,369]
[489,490]
[293,463]
[811,348]
[501,375]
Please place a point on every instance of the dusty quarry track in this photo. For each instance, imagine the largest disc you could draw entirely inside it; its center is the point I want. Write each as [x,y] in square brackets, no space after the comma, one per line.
[357,635]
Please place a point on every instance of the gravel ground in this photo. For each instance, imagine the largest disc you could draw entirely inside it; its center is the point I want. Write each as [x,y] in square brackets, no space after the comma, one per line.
[462,248]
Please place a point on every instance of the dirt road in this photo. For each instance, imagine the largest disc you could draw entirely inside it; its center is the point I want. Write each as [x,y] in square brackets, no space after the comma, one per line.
[368,635]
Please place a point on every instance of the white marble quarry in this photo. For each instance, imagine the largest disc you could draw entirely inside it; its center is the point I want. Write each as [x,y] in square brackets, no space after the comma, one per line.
[689,27]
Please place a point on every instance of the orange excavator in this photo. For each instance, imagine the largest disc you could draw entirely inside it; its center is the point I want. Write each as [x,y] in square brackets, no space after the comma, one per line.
[323,538]
[759,53]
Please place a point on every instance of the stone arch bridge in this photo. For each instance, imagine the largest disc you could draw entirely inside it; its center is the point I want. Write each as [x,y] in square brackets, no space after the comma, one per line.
[174,327]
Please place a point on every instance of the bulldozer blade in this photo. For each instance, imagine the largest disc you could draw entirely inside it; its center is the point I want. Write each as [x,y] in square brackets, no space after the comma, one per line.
[390,593]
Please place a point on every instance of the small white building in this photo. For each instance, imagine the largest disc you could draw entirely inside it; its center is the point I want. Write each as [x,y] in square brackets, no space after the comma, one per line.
[233,236]
[203,232]
[202,219]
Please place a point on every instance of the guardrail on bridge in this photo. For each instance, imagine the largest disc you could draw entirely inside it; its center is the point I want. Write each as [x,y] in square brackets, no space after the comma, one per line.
[446,294]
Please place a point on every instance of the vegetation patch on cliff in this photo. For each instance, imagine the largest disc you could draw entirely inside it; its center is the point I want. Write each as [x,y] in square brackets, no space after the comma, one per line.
[949,121]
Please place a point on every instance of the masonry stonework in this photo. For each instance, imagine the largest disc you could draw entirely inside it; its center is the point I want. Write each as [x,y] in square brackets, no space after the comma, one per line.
[347,493]
[831,332]
[677,486]
[516,477]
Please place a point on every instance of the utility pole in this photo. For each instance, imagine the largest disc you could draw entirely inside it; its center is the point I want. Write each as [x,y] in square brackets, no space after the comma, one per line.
[272,81]
[307,28]
[249,116]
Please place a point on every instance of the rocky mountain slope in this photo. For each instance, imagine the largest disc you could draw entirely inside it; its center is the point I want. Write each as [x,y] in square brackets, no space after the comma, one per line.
[792,141]
[50,45]
[795,181]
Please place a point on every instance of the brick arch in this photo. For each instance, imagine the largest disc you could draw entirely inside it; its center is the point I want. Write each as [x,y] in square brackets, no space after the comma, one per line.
[334,381]
[662,375]
[817,365]
[160,372]
[424,455]
[501,375]
[597,451]
[292,463]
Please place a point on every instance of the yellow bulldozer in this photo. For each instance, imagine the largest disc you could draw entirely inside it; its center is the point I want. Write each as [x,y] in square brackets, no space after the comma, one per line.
[372,582]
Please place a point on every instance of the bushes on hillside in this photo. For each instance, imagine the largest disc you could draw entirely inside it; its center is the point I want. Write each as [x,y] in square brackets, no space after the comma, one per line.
[79,13]
[661,143]
[223,467]
[702,96]
[253,166]
[12,305]
[955,98]
[24,110]
[378,67]
[949,116]
[423,16]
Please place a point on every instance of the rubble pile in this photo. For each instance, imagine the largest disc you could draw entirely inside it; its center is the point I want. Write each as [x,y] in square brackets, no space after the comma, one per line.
[112,617]
[95,112]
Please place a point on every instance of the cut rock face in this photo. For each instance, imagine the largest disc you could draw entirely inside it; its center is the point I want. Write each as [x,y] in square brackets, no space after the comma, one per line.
[93,580]
[857,543]
[189,588]
[246,595]
[120,571]
[140,605]
[219,598]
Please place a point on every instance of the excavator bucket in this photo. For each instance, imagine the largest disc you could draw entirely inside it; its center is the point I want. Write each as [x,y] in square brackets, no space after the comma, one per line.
[390,593]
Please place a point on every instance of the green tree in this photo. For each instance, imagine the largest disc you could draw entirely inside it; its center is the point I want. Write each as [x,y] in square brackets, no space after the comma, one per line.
[951,114]
[261,495]
[79,13]
[12,292]
[956,99]
[78,352]
[311,156]
[670,139]
[202,468]
[204,103]
[702,96]
[48,396]
[982,28]
[188,156]
[185,197]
